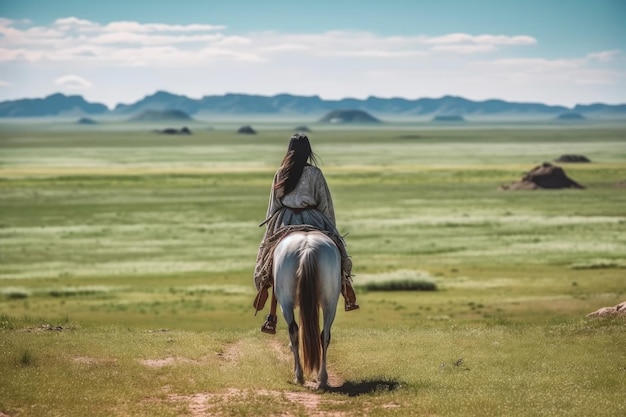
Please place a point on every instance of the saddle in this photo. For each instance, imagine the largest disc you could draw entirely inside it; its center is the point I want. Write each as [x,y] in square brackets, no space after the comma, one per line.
[267,260]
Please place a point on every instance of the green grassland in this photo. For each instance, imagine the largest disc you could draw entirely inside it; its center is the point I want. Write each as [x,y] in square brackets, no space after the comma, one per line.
[119,247]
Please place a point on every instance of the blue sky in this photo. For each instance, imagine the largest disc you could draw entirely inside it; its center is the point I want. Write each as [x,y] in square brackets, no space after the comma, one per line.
[557,52]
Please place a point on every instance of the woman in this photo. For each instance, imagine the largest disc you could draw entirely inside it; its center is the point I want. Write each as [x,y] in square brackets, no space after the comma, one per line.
[299,198]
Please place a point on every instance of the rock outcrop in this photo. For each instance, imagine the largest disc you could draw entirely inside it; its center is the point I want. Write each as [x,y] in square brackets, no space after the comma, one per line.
[544,176]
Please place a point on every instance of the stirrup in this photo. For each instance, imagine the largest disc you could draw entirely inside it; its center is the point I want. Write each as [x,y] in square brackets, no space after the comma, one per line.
[260,299]
[270,324]
[351,306]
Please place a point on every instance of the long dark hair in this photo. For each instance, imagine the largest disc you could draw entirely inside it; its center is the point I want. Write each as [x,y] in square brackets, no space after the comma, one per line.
[298,153]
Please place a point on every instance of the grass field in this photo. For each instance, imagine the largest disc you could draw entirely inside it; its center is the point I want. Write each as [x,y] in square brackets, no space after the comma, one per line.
[126,260]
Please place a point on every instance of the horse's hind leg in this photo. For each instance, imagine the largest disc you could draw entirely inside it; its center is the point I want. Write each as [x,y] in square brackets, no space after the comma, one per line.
[329,316]
[322,375]
[294,345]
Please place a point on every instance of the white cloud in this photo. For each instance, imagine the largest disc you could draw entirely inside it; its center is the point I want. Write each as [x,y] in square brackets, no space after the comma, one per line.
[532,65]
[604,56]
[285,47]
[124,60]
[4,84]
[129,26]
[73,82]
[68,23]
[126,43]
[464,49]
[464,38]
[129,43]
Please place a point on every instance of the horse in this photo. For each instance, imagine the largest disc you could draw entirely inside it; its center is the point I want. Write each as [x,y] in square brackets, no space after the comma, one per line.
[307,273]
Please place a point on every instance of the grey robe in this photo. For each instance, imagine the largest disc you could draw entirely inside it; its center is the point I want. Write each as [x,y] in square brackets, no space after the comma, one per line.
[310,203]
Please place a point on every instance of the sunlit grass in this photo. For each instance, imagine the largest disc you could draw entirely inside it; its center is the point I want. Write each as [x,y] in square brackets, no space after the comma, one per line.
[126,274]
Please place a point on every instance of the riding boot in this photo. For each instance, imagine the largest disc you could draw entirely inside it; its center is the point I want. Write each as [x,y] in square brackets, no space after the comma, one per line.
[349,295]
[270,321]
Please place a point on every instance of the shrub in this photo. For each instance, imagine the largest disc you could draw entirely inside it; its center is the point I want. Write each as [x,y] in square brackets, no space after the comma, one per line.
[400,285]
[15,293]
[75,291]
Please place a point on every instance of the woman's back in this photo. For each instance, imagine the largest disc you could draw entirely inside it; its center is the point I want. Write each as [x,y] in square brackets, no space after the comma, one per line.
[311,192]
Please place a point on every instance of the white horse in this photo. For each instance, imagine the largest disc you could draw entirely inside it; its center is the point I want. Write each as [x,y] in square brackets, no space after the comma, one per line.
[307,274]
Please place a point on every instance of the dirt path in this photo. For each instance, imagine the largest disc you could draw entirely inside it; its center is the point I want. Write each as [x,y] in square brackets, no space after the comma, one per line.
[208,404]
[283,353]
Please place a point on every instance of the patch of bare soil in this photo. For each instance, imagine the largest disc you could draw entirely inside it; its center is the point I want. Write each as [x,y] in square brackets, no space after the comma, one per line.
[42,328]
[87,360]
[618,310]
[198,404]
[210,404]
[314,403]
[281,350]
[170,360]
[231,352]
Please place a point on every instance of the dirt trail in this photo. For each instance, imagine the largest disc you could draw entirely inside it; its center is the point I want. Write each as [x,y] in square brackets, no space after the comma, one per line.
[208,404]
[232,352]
[283,353]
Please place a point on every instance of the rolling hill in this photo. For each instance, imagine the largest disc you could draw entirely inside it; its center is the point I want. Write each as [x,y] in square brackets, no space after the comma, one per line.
[52,105]
[348,117]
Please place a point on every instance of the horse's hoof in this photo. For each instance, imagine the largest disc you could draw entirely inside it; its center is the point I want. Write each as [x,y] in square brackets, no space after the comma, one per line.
[299,381]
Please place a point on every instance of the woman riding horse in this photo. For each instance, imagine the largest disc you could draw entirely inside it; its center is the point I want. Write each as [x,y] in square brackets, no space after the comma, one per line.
[299,200]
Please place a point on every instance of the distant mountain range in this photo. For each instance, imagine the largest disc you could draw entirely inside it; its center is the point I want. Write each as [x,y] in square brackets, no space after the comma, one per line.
[53,105]
[287,104]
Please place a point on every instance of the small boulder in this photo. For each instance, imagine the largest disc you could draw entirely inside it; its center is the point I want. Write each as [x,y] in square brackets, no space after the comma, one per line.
[172,131]
[449,118]
[246,130]
[569,116]
[572,158]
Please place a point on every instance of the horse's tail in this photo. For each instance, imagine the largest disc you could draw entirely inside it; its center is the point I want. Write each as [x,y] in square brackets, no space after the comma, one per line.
[310,340]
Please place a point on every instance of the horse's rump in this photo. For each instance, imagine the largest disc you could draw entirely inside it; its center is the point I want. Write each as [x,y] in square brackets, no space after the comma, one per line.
[265,261]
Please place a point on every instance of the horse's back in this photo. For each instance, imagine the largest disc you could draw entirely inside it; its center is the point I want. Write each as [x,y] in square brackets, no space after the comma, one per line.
[298,242]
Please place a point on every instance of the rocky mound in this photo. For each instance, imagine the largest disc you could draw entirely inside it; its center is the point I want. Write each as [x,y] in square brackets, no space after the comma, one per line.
[348,116]
[570,116]
[246,130]
[448,118]
[572,158]
[544,176]
[86,121]
[160,115]
[172,131]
